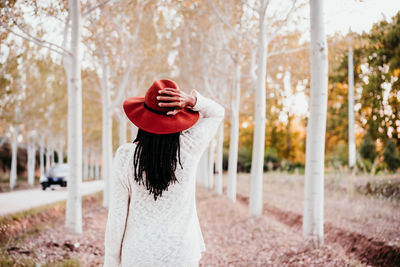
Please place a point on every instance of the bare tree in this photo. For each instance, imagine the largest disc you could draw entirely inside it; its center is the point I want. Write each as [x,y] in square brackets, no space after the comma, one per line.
[313,219]
[352,141]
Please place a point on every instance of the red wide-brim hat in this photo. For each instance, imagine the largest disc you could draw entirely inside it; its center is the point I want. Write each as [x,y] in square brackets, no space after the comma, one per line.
[145,113]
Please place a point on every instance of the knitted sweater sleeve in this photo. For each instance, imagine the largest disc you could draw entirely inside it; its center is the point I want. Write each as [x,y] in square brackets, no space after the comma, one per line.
[197,138]
[117,210]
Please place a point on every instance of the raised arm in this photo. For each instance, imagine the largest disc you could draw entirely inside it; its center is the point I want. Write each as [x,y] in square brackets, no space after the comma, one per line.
[117,212]
[196,138]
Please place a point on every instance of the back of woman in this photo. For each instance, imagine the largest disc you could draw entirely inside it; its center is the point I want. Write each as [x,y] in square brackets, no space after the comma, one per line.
[152,220]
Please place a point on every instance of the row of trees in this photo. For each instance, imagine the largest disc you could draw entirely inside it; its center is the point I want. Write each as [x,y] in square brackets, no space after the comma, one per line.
[245,55]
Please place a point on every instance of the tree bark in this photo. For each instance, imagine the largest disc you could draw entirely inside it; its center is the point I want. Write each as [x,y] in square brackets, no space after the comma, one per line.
[85,165]
[14,158]
[52,157]
[106,130]
[73,221]
[219,160]
[60,155]
[234,136]
[48,160]
[257,161]
[31,151]
[210,164]
[97,169]
[352,142]
[122,127]
[91,165]
[41,160]
[313,223]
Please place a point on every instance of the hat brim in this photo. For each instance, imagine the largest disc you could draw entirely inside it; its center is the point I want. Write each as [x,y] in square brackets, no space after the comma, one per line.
[158,123]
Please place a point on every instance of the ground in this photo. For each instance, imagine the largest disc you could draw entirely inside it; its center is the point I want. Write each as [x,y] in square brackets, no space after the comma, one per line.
[359,230]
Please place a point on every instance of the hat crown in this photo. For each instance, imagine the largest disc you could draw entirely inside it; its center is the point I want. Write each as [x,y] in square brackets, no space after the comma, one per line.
[145,113]
[150,98]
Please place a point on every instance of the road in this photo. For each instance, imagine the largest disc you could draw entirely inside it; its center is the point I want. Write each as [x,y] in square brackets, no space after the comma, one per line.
[12,202]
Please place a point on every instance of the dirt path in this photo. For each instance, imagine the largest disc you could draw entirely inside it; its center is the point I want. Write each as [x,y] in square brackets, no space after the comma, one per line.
[232,239]
[367,229]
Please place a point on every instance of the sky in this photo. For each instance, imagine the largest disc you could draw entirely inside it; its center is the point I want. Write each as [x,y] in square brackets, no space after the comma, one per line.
[359,15]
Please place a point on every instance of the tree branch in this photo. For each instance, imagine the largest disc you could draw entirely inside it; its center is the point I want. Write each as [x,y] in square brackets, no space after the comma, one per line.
[249,6]
[281,23]
[294,50]
[122,87]
[92,8]
[62,53]
[33,39]
[282,52]
[222,19]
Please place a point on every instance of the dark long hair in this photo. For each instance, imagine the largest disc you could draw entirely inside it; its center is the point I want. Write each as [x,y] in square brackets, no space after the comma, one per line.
[157,156]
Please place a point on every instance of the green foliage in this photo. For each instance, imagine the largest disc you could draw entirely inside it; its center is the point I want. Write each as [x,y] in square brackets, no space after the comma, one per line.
[365,164]
[271,154]
[381,107]
[339,156]
[244,159]
[391,155]
[378,105]
[271,159]
[368,149]
[293,167]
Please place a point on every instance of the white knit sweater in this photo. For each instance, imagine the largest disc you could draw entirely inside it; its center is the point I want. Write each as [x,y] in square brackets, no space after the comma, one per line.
[142,232]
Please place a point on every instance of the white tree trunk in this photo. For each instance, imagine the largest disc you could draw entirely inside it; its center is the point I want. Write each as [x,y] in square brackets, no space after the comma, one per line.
[313,223]
[352,141]
[14,158]
[73,219]
[257,160]
[210,164]
[97,170]
[234,136]
[106,131]
[48,166]
[60,155]
[218,163]
[51,157]
[91,166]
[85,164]
[122,128]
[31,151]
[41,160]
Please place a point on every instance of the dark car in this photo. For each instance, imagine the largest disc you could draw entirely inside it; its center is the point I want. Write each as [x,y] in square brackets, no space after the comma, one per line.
[56,175]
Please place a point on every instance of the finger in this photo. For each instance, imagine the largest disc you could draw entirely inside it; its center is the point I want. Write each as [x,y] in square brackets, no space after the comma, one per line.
[171,104]
[167,91]
[173,112]
[169,98]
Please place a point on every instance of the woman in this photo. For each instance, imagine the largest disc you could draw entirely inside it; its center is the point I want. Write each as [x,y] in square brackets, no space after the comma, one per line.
[152,217]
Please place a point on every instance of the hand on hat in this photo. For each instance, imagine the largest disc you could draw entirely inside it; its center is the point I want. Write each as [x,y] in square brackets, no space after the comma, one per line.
[171,97]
